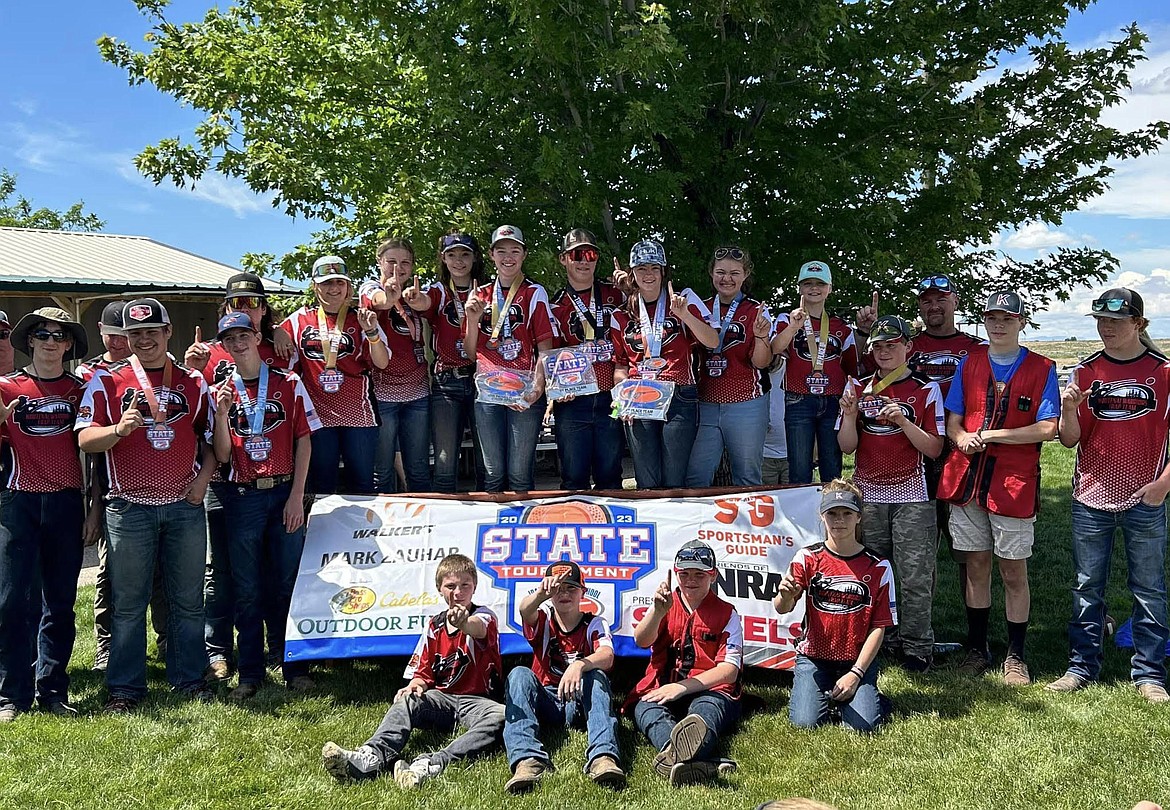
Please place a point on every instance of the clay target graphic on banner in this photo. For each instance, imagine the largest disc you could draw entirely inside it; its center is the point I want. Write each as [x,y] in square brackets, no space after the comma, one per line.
[571,512]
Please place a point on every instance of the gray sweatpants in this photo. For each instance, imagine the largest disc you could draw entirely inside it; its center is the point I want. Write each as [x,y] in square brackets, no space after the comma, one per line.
[906,534]
[481,716]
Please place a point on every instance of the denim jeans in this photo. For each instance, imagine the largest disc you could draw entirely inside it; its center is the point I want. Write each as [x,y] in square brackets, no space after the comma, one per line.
[811,419]
[662,450]
[217,581]
[40,559]
[258,541]
[453,410]
[481,716]
[357,445]
[589,442]
[176,533]
[405,426]
[740,427]
[103,603]
[531,707]
[508,440]
[1143,530]
[719,712]
[809,703]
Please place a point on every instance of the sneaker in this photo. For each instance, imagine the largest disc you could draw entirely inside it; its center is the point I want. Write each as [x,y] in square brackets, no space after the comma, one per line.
[1068,682]
[302,683]
[695,772]
[1153,692]
[243,692]
[414,774]
[120,705]
[218,670]
[685,739]
[350,766]
[918,664]
[726,766]
[60,708]
[101,659]
[975,664]
[1015,671]
[528,772]
[605,770]
[204,693]
[8,714]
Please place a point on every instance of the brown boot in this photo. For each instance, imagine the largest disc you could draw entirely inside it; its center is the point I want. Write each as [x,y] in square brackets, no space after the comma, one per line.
[528,772]
[605,770]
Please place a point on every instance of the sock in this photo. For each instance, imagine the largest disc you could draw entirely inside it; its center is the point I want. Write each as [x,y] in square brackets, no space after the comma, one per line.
[977,619]
[1017,631]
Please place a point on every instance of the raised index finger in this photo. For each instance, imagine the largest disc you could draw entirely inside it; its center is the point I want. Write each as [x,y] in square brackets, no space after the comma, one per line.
[198,334]
[875,302]
[670,288]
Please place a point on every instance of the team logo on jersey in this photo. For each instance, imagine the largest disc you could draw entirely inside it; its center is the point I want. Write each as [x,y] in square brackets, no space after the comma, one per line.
[800,342]
[399,324]
[515,319]
[671,328]
[354,600]
[449,668]
[311,344]
[43,416]
[938,366]
[274,415]
[176,402]
[876,427]
[223,369]
[734,336]
[1120,400]
[838,594]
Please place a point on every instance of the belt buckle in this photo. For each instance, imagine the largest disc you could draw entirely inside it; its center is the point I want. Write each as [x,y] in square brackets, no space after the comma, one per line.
[265,483]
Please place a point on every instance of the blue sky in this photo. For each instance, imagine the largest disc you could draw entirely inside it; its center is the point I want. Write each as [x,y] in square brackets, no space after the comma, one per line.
[70,125]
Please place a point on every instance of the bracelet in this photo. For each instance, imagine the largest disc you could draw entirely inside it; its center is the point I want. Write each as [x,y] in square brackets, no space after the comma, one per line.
[116,433]
[372,333]
[858,672]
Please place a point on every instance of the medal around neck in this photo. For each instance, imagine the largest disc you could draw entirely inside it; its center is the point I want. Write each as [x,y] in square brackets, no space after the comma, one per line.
[642,399]
[496,385]
[568,373]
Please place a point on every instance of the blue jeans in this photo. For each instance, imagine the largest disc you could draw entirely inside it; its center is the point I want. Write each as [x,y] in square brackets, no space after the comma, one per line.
[740,427]
[136,534]
[405,425]
[40,559]
[452,411]
[217,581]
[508,440]
[357,445]
[589,442]
[258,541]
[1143,530]
[662,450]
[657,720]
[811,419]
[530,707]
[809,704]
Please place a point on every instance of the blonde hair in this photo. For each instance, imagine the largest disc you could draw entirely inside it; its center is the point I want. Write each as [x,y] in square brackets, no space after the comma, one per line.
[455,565]
[846,485]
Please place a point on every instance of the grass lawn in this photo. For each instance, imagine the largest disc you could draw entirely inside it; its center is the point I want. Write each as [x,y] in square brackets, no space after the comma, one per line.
[953,743]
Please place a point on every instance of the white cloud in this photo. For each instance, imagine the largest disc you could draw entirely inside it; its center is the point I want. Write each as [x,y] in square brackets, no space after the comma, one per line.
[49,148]
[1038,236]
[216,189]
[1067,318]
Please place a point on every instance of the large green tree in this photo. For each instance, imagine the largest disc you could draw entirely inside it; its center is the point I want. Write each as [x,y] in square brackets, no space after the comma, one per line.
[891,138]
[16,211]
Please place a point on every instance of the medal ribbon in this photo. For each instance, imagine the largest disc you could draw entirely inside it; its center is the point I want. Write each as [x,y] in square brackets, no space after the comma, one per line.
[503,323]
[590,321]
[158,409]
[652,333]
[254,411]
[409,318]
[331,340]
[722,323]
[886,381]
[822,340]
[460,303]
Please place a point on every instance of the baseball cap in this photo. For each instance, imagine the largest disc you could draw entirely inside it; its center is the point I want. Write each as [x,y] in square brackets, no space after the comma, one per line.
[1008,302]
[330,267]
[841,497]
[111,321]
[648,251]
[508,232]
[245,284]
[144,313]
[940,283]
[695,554]
[889,327]
[578,237]
[815,271]
[4,318]
[571,570]
[1118,303]
[458,240]
[234,320]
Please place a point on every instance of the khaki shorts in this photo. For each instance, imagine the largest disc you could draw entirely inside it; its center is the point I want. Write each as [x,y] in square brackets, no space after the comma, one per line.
[973,528]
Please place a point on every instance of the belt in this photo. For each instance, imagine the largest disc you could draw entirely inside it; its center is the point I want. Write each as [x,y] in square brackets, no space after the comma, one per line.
[460,373]
[266,483]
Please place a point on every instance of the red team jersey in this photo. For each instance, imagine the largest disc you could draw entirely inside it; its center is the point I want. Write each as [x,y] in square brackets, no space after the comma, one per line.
[937,358]
[677,343]
[530,322]
[288,415]
[845,598]
[889,469]
[729,376]
[137,471]
[554,649]
[446,314]
[87,369]
[405,379]
[841,358]
[455,663]
[1124,418]
[40,448]
[571,317]
[353,404]
[221,365]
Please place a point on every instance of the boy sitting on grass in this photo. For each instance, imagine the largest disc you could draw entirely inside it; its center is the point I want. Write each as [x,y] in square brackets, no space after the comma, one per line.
[566,685]
[456,671]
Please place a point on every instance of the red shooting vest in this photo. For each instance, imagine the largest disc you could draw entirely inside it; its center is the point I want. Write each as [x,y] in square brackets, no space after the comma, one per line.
[1005,478]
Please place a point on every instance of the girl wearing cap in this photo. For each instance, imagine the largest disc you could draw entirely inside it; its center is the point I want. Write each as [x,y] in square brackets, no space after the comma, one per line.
[41,514]
[508,323]
[337,349]
[836,658]
[653,337]
[821,354]
[401,389]
[733,382]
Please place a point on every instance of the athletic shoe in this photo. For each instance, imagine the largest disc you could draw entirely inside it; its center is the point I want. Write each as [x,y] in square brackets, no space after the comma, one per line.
[243,692]
[975,664]
[60,708]
[695,772]
[918,664]
[101,658]
[120,705]
[350,766]
[218,670]
[726,766]
[302,683]
[417,772]
[1068,682]
[685,739]
[528,772]
[605,770]
[9,714]
[1015,671]
[1153,692]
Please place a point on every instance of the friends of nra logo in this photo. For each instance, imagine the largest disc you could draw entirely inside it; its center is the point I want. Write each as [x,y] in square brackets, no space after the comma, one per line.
[1120,400]
[43,416]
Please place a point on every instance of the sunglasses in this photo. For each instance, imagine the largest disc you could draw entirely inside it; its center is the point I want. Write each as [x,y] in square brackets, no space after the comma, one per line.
[4,333]
[1112,305]
[699,555]
[940,283]
[245,302]
[733,253]
[60,336]
[583,254]
[456,240]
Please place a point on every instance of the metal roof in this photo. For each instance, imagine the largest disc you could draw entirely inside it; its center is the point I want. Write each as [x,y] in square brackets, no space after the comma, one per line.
[69,262]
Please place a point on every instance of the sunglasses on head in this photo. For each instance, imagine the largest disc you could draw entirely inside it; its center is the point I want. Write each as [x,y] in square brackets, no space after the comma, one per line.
[733,253]
[699,555]
[940,283]
[1111,304]
[583,254]
[59,335]
[245,301]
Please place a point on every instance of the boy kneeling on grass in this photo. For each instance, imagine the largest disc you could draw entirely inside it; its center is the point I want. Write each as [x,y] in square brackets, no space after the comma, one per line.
[566,685]
[849,603]
[456,672]
[696,641]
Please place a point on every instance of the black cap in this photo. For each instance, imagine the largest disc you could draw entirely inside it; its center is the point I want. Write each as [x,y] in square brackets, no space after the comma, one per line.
[578,237]
[144,313]
[1008,302]
[245,284]
[571,571]
[695,554]
[1118,302]
[889,327]
[839,497]
[111,320]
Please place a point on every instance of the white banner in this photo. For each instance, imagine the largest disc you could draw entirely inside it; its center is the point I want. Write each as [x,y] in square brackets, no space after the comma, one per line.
[366,585]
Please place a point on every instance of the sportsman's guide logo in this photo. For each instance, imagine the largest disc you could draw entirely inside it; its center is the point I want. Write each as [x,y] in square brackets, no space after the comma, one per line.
[614,550]
[43,416]
[1121,400]
[838,594]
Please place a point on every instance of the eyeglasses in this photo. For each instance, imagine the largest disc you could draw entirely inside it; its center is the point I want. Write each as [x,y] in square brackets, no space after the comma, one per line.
[940,283]
[245,302]
[60,336]
[1111,304]
[699,555]
[583,254]
[733,253]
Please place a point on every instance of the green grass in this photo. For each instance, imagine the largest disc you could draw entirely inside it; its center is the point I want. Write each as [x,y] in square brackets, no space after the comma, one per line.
[953,743]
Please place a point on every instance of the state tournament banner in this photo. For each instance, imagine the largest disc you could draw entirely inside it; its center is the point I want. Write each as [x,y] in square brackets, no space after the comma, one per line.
[366,585]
